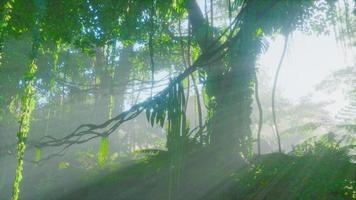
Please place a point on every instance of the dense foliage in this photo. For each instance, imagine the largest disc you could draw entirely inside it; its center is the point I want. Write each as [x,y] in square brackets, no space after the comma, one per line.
[75,71]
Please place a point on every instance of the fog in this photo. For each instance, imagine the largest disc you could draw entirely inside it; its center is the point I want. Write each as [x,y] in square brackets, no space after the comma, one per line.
[105,109]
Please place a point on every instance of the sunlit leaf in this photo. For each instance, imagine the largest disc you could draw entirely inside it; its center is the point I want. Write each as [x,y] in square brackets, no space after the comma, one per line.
[63,165]
[103,151]
[38,154]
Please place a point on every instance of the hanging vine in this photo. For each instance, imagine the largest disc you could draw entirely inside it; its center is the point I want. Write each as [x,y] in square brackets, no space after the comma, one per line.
[260,116]
[86,132]
[150,44]
[53,73]
[274,93]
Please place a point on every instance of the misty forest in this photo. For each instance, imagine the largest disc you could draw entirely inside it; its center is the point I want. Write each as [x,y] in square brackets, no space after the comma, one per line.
[177,99]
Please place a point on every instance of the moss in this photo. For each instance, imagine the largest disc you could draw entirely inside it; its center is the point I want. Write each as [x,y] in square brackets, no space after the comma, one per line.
[27,106]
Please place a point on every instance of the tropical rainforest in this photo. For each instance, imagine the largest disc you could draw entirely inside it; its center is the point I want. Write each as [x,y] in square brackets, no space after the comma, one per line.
[171,99]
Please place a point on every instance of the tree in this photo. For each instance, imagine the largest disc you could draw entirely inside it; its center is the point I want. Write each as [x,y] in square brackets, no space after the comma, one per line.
[229,79]
[226,61]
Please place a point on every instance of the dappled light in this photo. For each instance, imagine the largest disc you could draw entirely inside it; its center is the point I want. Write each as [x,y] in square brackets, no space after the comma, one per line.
[177,99]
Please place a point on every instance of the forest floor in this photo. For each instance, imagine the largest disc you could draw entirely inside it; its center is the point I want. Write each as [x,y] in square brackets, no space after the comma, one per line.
[274,176]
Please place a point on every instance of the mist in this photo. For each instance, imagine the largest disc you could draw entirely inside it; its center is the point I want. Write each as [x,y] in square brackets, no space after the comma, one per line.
[177,100]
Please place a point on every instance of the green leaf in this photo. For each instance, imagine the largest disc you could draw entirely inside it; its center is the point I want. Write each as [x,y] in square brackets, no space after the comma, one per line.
[153,116]
[148,113]
[162,119]
[38,154]
[103,151]
[63,165]
[259,32]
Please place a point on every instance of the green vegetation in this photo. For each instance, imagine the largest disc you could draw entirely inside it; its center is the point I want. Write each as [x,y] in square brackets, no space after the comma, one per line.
[154,99]
[315,170]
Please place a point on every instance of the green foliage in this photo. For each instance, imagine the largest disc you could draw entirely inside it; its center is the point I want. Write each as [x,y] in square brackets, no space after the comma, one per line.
[63,165]
[150,151]
[87,159]
[326,146]
[38,154]
[311,176]
[271,176]
[27,106]
[349,127]
[61,28]
[170,108]
[302,129]
[90,24]
[103,151]
[5,17]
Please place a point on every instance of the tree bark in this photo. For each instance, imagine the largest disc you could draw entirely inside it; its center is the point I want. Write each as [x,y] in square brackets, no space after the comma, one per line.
[122,77]
[229,85]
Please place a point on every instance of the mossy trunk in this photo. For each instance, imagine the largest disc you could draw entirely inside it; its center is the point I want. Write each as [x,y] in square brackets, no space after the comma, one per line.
[27,106]
[229,86]
[230,120]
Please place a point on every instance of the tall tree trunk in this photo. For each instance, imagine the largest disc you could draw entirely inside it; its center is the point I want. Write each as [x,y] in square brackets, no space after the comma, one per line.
[229,86]
[122,76]
[28,102]
[231,121]
[102,80]
[121,80]
[103,99]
